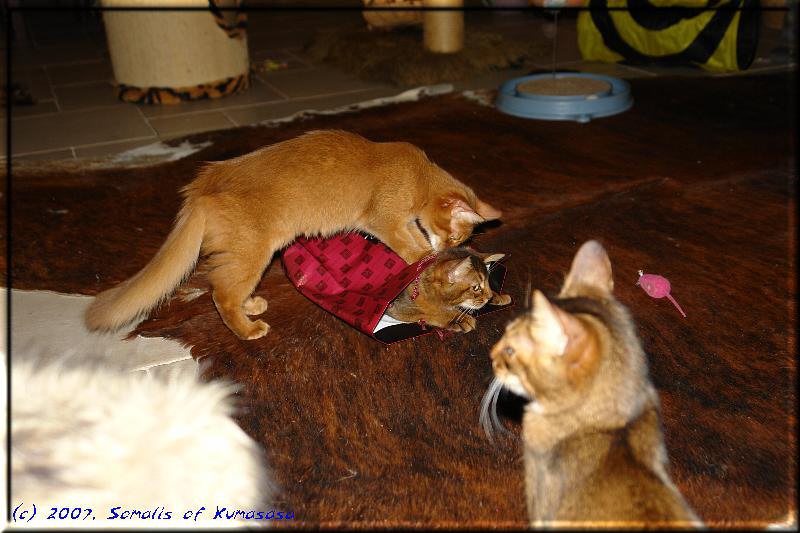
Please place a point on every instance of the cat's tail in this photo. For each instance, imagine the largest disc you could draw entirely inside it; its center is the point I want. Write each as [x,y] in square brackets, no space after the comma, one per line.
[128,301]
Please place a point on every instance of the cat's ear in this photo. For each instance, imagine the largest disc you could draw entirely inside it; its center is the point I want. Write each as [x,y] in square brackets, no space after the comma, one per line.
[460,212]
[591,267]
[547,327]
[486,258]
[486,211]
[492,258]
[459,270]
[564,338]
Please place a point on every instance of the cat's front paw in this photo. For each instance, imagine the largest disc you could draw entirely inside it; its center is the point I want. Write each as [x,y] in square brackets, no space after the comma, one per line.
[500,299]
[465,325]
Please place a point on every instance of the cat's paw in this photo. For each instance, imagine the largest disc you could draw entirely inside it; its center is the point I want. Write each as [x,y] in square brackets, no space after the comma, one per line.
[258,329]
[500,299]
[465,325]
[255,305]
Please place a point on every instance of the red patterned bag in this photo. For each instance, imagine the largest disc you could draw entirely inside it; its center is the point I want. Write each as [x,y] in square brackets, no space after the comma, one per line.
[356,278]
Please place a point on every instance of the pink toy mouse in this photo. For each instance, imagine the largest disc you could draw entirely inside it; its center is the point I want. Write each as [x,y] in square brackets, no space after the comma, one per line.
[657,287]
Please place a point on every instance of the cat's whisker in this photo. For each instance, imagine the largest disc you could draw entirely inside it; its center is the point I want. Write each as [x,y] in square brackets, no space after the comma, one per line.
[488,418]
[484,418]
[459,316]
[493,413]
[528,292]
[462,312]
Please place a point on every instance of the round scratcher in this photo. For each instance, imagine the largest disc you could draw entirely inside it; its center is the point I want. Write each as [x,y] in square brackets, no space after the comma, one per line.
[564,96]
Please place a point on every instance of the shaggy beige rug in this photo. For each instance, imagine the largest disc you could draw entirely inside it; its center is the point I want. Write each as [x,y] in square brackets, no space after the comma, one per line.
[397,56]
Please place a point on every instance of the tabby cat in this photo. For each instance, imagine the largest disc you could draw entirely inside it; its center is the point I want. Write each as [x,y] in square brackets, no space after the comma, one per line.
[594,451]
[456,283]
[240,211]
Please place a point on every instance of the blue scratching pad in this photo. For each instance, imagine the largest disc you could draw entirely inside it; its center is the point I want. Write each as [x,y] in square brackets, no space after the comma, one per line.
[564,96]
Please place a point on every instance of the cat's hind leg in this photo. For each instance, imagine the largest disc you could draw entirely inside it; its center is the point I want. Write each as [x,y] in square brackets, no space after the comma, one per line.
[233,279]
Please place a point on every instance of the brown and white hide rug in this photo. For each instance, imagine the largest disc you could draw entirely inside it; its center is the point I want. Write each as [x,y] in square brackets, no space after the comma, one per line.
[696,183]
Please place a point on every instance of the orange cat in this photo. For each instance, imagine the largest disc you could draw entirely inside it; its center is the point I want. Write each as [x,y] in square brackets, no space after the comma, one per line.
[456,283]
[241,211]
[593,445]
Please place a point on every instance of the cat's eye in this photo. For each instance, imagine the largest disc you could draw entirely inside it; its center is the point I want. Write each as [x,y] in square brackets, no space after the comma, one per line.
[509,351]
[476,288]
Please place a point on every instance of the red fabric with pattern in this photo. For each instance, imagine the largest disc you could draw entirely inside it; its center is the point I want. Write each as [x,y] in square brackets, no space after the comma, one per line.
[349,275]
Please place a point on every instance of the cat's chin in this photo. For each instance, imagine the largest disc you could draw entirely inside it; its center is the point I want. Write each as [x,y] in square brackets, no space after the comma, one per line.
[512,383]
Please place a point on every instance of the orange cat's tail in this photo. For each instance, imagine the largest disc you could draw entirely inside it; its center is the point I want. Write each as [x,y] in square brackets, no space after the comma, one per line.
[121,305]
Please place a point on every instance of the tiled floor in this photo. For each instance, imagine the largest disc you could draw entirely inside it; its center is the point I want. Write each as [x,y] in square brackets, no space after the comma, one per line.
[63,60]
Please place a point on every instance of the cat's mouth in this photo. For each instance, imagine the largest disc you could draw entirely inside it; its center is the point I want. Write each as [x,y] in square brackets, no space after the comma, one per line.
[472,306]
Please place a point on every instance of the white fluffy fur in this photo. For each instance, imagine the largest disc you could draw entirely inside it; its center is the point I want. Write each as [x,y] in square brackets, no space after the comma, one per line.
[87,434]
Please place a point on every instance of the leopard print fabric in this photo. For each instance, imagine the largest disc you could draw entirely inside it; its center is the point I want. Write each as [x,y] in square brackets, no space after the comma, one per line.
[170,95]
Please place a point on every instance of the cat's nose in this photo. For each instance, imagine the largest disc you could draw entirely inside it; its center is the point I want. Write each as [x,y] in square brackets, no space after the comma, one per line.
[498,365]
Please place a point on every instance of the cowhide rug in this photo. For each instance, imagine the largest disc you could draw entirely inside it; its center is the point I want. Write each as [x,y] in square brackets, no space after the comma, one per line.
[695,182]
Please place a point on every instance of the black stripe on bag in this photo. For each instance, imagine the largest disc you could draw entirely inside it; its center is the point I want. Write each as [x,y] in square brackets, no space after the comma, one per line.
[699,51]
[654,18]
[747,34]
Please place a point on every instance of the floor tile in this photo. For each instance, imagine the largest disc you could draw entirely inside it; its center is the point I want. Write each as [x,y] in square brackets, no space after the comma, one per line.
[257,93]
[315,81]
[260,113]
[60,36]
[80,72]
[168,127]
[86,95]
[52,155]
[258,59]
[280,38]
[276,54]
[52,55]
[35,80]
[107,149]
[75,128]
[40,108]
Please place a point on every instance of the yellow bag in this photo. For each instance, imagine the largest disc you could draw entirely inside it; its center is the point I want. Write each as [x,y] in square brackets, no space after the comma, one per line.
[718,35]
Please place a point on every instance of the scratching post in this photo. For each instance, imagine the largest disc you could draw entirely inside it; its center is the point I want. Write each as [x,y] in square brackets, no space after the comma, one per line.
[383,16]
[164,56]
[444,30]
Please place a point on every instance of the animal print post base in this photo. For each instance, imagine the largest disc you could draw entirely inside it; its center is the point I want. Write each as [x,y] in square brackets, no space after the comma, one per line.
[170,96]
